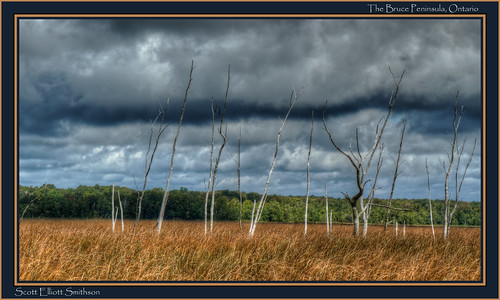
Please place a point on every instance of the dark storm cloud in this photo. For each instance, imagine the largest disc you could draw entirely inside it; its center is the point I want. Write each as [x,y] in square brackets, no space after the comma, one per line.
[88,88]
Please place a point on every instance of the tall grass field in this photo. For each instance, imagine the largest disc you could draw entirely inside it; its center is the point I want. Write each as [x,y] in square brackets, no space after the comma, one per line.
[88,250]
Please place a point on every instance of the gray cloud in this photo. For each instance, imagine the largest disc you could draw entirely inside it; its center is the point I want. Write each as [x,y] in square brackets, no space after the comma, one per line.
[98,82]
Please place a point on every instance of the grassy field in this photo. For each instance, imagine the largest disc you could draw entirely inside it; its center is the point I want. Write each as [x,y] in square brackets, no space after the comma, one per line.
[88,250]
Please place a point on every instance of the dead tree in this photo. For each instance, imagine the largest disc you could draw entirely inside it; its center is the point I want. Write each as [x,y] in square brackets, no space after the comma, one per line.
[113,207]
[396,173]
[449,206]
[430,203]
[149,159]
[371,196]
[211,164]
[239,175]
[257,213]
[166,193]
[121,210]
[308,177]
[458,187]
[361,162]
[223,136]
[327,219]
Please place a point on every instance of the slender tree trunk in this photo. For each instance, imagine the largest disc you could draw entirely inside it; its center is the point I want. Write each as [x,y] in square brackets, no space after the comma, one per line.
[327,219]
[239,176]
[430,203]
[404,228]
[166,193]
[253,214]
[121,210]
[211,165]
[396,173]
[457,117]
[216,167]
[308,178]
[258,212]
[331,221]
[148,163]
[113,207]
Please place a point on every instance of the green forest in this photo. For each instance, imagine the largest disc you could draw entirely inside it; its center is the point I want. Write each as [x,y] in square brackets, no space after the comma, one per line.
[49,201]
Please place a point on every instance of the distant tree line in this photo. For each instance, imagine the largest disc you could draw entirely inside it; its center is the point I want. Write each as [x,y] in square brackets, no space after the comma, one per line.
[95,202]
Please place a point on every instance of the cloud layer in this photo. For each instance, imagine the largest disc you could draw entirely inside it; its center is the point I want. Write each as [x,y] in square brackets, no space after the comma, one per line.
[89,87]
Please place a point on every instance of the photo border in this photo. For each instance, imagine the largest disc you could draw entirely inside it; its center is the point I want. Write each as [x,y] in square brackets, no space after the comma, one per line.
[490,116]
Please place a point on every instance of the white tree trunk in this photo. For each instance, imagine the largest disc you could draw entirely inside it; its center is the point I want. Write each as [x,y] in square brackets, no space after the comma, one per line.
[149,159]
[260,207]
[308,178]
[113,207]
[216,167]
[211,165]
[404,228]
[327,219]
[430,203]
[121,211]
[166,193]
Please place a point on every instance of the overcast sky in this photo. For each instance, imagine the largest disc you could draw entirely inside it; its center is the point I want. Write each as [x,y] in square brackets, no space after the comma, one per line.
[89,87]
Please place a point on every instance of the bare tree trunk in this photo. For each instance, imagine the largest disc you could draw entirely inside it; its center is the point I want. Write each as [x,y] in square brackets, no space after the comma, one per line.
[113,207]
[147,167]
[294,97]
[396,228]
[458,187]
[239,177]
[211,165]
[366,210]
[253,213]
[355,219]
[166,193]
[308,178]
[327,219]
[404,228]
[457,117]
[223,135]
[396,173]
[430,203]
[121,210]
[331,221]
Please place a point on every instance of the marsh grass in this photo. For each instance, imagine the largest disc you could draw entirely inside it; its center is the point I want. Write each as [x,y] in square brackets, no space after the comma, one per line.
[87,250]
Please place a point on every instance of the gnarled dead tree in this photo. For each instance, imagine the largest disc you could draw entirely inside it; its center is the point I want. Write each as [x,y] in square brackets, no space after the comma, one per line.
[361,162]
[166,193]
[257,213]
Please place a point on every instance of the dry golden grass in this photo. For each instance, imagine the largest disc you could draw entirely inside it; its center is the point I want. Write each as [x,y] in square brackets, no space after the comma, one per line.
[87,250]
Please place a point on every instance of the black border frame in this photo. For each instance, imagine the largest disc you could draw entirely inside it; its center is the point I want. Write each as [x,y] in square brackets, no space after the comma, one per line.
[8,289]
